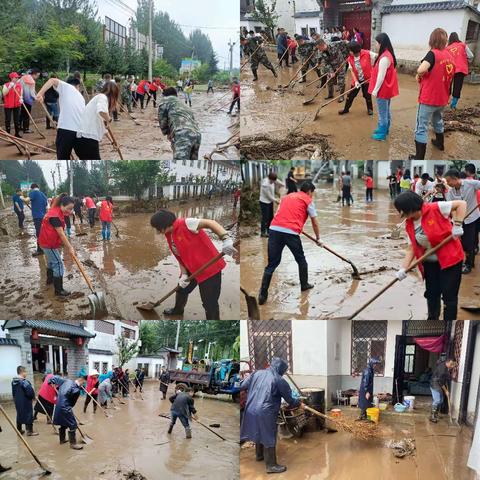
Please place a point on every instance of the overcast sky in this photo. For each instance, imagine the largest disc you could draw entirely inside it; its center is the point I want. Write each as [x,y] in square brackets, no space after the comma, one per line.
[219,19]
[48,166]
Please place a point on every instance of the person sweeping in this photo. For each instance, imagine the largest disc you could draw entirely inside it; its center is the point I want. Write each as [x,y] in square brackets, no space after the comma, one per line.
[12,102]
[92,389]
[105,390]
[192,247]
[23,396]
[426,226]
[47,399]
[106,216]
[441,378]
[164,381]
[285,230]
[365,391]
[461,55]
[183,408]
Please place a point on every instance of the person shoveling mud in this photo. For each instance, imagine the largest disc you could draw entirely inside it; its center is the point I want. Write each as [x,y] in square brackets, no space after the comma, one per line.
[438,383]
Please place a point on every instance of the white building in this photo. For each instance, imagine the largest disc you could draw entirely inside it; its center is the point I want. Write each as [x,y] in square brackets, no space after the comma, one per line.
[165,358]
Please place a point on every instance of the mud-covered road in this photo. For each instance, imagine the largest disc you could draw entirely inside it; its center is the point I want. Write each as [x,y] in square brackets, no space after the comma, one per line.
[272,111]
[360,233]
[135,438]
[442,453]
[146,141]
[135,267]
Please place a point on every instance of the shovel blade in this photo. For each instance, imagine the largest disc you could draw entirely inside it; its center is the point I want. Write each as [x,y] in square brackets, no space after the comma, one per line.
[148,307]
[308,102]
[98,308]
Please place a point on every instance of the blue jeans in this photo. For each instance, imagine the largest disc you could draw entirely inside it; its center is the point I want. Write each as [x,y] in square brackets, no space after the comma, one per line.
[54,261]
[437,397]
[183,419]
[384,115]
[53,110]
[106,230]
[425,114]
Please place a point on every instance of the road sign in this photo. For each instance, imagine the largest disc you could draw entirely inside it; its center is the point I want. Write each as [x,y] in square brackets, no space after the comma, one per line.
[25,185]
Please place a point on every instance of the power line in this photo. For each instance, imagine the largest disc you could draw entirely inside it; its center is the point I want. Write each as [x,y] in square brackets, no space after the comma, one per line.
[211,28]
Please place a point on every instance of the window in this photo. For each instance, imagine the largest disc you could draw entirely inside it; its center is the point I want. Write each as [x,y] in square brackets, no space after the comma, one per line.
[409,366]
[104,327]
[128,333]
[157,370]
[472,31]
[313,30]
[104,368]
[115,31]
[96,366]
[369,340]
[304,32]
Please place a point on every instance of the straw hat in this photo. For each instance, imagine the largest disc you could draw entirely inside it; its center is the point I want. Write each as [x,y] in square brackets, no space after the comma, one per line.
[94,373]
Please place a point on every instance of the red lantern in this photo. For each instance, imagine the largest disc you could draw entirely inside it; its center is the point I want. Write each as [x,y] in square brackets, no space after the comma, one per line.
[79,341]
[35,334]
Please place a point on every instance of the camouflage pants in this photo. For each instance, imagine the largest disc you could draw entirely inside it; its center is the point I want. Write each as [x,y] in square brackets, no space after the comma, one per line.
[186,144]
[256,59]
[127,100]
[339,81]
[310,64]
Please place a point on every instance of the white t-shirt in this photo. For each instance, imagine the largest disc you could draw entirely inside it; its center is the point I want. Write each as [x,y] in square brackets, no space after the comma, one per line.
[421,189]
[92,125]
[72,107]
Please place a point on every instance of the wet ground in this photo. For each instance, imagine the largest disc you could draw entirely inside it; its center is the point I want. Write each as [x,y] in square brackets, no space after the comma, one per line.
[360,233]
[134,439]
[441,452]
[272,111]
[135,267]
[146,141]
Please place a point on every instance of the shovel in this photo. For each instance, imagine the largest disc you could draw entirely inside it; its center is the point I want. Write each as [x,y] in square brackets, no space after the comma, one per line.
[395,233]
[248,61]
[45,470]
[29,115]
[93,398]
[355,273]
[117,233]
[114,142]
[208,428]
[308,102]
[96,299]
[139,386]
[85,438]
[48,416]
[298,71]
[453,423]
[252,305]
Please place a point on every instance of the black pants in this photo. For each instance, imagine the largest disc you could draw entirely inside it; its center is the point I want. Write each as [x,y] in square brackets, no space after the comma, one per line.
[16,119]
[87,149]
[209,293]
[468,241]
[38,226]
[154,95]
[457,84]
[141,97]
[87,401]
[79,215]
[267,216]
[369,194]
[91,216]
[346,196]
[210,89]
[66,142]
[477,234]
[442,284]
[236,100]
[284,59]
[21,217]
[24,118]
[351,97]
[277,241]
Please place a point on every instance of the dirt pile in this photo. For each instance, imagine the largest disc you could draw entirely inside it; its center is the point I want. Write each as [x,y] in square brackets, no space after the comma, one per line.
[8,226]
[292,146]
[463,120]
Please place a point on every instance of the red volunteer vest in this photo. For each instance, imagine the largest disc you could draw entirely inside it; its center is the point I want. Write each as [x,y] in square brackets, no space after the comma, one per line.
[142,86]
[49,237]
[435,84]
[292,212]
[365,63]
[389,88]
[91,381]
[436,228]
[459,54]
[236,89]
[47,391]
[89,203]
[11,99]
[106,211]
[194,250]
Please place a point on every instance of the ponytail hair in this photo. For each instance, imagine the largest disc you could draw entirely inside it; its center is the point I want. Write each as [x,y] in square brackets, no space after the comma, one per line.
[108,198]
[62,200]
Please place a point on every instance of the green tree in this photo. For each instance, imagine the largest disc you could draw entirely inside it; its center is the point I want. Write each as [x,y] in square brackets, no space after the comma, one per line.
[213,64]
[34,174]
[202,73]
[266,14]
[127,349]
[163,69]
[134,176]
[114,58]
[201,45]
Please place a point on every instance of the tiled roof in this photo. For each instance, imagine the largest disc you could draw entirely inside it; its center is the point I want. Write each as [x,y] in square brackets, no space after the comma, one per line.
[313,13]
[50,326]
[9,341]
[428,7]
[96,351]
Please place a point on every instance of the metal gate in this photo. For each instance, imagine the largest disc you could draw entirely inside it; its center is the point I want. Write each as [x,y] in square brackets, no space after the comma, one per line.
[361,20]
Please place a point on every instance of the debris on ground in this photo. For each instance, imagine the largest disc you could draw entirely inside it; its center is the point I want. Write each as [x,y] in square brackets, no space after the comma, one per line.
[402,448]
[134,475]
[463,120]
[363,430]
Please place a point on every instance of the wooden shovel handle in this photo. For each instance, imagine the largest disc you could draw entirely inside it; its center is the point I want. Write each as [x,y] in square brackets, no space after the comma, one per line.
[253,53]
[326,83]
[93,398]
[29,114]
[301,66]
[326,247]
[342,94]
[83,272]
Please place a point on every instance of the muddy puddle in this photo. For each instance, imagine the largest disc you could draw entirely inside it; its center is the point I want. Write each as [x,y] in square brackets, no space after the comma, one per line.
[360,233]
[135,267]
[272,111]
[441,453]
[134,439]
[146,141]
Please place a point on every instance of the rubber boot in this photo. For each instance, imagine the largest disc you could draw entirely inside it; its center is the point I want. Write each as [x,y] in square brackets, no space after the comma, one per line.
[30,432]
[420,149]
[467,266]
[94,408]
[369,103]
[62,435]
[263,294]
[271,461]
[330,92]
[17,131]
[362,417]
[434,308]
[342,98]
[438,141]
[188,432]
[380,134]
[304,79]
[259,456]
[69,231]
[453,102]
[73,441]
[170,428]
[255,76]
[35,415]
[347,106]
[4,469]
[58,284]
[20,429]
[180,302]
[49,276]
[303,275]
[434,415]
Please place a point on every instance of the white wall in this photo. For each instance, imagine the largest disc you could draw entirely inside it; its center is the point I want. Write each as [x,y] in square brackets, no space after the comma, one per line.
[284,9]
[308,23]
[10,359]
[244,353]
[472,397]
[121,11]
[152,362]
[94,357]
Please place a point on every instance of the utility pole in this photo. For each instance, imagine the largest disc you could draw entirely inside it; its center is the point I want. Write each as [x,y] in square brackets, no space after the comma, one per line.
[2,178]
[230,46]
[70,175]
[59,173]
[178,335]
[150,43]
[53,179]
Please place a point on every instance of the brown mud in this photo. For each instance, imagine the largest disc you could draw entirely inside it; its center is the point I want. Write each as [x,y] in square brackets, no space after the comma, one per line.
[136,267]
[146,141]
[133,445]
[441,453]
[360,233]
[271,111]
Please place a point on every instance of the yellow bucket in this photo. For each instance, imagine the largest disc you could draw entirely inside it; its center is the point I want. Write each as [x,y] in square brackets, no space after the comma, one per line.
[373,414]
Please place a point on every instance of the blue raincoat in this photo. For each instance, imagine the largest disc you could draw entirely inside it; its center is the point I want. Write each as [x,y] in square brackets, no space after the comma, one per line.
[266,388]
[366,385]
[23,395]
[68,393]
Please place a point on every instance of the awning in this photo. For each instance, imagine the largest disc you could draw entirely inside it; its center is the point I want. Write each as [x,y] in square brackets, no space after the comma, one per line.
[50,327]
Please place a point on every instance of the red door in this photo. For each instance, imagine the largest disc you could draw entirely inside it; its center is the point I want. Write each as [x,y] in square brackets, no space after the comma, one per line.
[362,21]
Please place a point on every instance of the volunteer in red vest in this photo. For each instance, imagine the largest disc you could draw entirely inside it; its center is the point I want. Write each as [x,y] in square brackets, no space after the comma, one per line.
[285,230]
[383,84]
[92,389]
[153,90]
[106,216]
[461,55]
[435,75]
[427,225]
[12,102]
[236,96]
[91,208]
[46,399]
[360,66]
[192,248]
[52,237]
[471,172]
[142,90]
